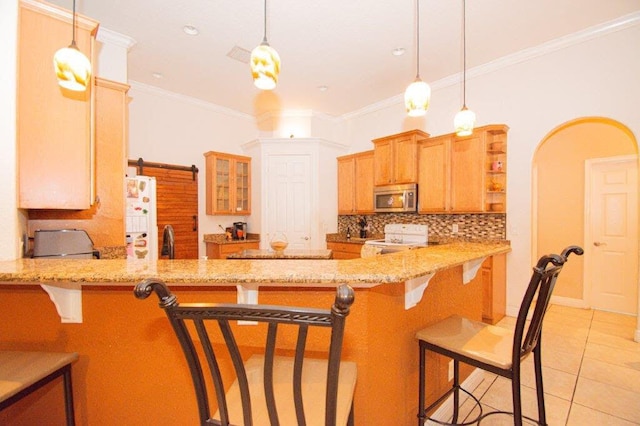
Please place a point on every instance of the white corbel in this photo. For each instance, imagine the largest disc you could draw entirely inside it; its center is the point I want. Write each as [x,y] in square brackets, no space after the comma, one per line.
[68,302]
[414,289]
[470,269]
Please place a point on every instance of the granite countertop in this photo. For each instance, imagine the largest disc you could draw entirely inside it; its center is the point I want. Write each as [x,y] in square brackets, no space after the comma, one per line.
[360,273]
[286,254]
[222,239]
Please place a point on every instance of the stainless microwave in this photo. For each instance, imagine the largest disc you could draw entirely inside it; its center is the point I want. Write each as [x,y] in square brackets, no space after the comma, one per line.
[396,198]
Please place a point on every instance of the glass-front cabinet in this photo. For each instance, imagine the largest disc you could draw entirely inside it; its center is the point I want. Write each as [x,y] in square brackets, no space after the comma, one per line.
[228,184]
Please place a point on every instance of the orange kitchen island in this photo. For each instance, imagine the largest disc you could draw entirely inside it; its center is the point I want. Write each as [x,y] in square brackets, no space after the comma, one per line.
[131,369]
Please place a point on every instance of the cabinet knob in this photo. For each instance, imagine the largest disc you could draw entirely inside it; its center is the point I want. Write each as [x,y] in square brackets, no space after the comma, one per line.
[598,244]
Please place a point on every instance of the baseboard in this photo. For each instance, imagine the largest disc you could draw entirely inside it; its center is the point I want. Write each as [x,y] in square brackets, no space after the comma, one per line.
[445,411]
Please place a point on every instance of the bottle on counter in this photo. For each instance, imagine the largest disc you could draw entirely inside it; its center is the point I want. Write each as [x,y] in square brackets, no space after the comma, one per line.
[348,234]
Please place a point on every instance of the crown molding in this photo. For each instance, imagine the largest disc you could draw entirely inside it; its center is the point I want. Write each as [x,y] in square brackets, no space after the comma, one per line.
[107,36]
[188,99]
[619,24]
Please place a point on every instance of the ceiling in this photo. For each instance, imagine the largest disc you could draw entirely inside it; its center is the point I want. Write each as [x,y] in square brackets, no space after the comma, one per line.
[345,45]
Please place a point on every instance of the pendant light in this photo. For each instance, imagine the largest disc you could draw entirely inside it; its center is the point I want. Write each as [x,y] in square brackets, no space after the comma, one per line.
[265,62]
[465,119]
[72,67]
[418,94]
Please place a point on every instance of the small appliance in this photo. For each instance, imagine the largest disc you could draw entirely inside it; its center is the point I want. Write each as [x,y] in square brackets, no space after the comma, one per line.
[63,243]
[396,198]
[239,231]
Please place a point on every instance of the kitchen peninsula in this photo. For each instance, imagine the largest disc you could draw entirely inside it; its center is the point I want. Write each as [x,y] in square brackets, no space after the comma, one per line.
[131,370]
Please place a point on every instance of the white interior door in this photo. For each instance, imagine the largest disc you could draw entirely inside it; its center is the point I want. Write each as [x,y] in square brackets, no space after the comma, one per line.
[611,266]
[288,199]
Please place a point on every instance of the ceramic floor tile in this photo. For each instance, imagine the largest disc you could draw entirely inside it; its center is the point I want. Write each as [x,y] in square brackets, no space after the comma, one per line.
[601,316]
[571,312]
[617,356]
[608,399]
[623,377]
[561,318]
[499,396]
[569,362]
[614,329]
[561,343]
[555,382]
[565,330]
[581,416]
[603,338]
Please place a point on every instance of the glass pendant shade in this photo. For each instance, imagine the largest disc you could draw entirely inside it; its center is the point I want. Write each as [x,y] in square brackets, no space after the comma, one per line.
[417,97]
[265,66]
[72,68]
[464,121]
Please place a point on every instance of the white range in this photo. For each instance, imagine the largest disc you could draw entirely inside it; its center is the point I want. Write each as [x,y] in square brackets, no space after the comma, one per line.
[398,237]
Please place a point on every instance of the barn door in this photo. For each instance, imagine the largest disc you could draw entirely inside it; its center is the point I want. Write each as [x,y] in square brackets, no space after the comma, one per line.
[177,204]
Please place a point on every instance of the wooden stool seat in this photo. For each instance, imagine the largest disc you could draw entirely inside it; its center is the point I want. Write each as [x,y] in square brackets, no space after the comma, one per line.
[314,386]
[23,372]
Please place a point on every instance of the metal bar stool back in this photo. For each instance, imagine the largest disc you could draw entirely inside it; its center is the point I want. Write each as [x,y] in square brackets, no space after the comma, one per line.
[268,387]
[492,348]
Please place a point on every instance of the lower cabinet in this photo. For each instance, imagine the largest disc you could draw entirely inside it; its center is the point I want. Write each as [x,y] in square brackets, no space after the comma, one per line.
[221,251]
[494,285]
[345,250]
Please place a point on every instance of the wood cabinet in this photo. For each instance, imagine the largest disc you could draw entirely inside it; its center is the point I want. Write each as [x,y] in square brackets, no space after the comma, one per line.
[221,251]
[494,288]
[463,174]
[355,183]
[345,250]
[104,221]
[54,125]
[228,184]
[396,158]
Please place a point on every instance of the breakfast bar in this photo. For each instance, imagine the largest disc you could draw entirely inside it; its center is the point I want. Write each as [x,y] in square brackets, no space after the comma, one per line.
[123,342]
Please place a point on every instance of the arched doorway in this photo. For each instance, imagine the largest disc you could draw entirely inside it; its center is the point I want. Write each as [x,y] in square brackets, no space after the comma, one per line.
[561,200]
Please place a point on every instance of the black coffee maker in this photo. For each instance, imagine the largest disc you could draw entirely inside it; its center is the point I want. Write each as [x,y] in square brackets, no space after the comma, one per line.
[239,231]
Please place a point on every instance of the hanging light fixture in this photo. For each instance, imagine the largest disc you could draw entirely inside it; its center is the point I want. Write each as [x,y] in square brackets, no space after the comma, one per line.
[72,67]
[418,94]
[265,62]
[465,119]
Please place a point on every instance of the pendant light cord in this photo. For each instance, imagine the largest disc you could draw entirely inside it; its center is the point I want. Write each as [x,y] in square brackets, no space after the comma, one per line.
[417,39]
[464,54]
[264,39]
[73,34]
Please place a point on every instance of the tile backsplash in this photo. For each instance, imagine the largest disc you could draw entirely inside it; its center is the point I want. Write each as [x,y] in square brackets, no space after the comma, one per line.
[470,226]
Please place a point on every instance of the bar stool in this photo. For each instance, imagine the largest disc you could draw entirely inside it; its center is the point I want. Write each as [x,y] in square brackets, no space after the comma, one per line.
[23,372]
[492,348]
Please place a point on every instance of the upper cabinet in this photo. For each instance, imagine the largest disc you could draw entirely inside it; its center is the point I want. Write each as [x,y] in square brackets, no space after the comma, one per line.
[464,174]
[228,184]
[355,183]
[55,127]
[396,158]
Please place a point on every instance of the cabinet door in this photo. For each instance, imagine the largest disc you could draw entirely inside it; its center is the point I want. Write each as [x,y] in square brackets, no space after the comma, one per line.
[383,162]
[54,125]
[363,182]
[242,186]
[467,174]
[222,185]
[346,185]
[405,160]
[433,175]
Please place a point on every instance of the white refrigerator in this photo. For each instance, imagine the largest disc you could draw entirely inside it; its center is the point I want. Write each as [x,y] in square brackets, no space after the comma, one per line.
[141,218]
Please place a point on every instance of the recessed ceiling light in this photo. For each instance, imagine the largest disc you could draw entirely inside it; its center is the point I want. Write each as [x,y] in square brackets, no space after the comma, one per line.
[190,29]
[323,88]
[157,75]
[398,51]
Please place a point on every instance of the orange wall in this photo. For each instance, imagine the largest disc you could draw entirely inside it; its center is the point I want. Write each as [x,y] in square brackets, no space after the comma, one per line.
[560,180]
[131,370]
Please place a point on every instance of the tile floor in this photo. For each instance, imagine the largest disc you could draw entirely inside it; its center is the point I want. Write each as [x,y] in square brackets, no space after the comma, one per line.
[591,370]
